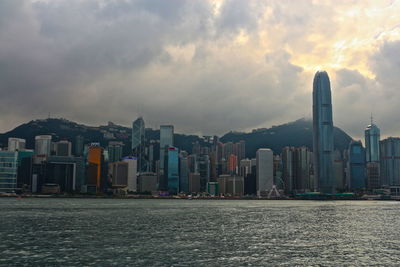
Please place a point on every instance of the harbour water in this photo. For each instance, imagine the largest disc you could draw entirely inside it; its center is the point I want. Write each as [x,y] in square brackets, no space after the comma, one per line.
[118,232]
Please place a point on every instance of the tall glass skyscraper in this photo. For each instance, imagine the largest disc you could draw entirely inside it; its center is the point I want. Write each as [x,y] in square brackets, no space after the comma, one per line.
[372,155]
[138,146]
[323,133]
[356,165]
[390,161]
[171,170]
[372,137]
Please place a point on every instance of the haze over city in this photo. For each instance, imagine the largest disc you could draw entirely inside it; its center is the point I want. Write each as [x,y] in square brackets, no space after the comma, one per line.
[208,67]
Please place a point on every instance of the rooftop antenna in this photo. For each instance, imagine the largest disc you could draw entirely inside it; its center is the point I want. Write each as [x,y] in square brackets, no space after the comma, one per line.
[372,119]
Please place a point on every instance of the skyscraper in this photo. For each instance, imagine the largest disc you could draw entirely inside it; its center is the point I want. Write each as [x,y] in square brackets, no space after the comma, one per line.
[166,140]
[95,158]
[323,133]
[338,166]
[183,172]
[289,169]
[138,143]
[132,173]
[114,151]
[171,175]
[390,161]
[232,164]
[356,165]
[296,169]
[303,162]
[203,166]
[265,171]
[372,155]
[372,138]
[78,145]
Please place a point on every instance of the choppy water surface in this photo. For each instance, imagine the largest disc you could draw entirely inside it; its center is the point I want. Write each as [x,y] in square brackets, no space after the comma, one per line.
[104,232]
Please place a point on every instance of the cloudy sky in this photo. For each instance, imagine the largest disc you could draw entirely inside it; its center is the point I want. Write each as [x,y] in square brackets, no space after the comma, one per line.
[205,66]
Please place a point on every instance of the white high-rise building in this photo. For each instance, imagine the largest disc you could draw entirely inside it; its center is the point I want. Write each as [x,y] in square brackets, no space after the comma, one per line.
[265,171]
[43,145]
[16,144]
[132,173]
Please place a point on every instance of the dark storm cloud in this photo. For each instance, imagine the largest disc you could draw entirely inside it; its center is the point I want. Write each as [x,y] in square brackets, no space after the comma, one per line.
[53,51]
[85,60]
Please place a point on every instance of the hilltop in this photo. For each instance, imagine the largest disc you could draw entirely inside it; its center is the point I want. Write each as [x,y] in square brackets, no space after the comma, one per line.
[297,133]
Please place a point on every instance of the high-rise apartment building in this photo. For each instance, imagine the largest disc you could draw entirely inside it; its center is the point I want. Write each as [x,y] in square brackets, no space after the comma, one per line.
[323,133]
[232,164]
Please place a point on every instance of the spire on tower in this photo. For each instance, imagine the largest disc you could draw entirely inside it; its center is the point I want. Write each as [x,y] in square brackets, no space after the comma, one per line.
[372,119]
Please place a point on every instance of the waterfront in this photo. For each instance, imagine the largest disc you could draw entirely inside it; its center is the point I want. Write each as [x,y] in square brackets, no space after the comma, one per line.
[71,232]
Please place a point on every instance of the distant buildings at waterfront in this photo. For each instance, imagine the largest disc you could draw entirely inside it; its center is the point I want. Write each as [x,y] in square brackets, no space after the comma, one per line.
[157,165]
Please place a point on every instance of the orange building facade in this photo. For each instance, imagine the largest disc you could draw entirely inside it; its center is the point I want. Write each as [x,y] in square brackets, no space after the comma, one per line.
[95,155]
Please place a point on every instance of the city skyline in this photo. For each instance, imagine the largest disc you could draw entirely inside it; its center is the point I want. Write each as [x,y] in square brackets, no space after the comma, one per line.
[207,67]
[199,132]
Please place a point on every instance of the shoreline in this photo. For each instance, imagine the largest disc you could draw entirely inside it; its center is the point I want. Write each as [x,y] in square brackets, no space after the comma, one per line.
[187,198]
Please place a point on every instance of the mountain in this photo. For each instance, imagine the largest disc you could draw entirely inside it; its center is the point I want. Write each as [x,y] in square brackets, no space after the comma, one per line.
[62,129]
[297,133]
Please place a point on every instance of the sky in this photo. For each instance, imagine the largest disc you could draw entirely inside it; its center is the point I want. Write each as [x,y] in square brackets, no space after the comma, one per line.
[207,67]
